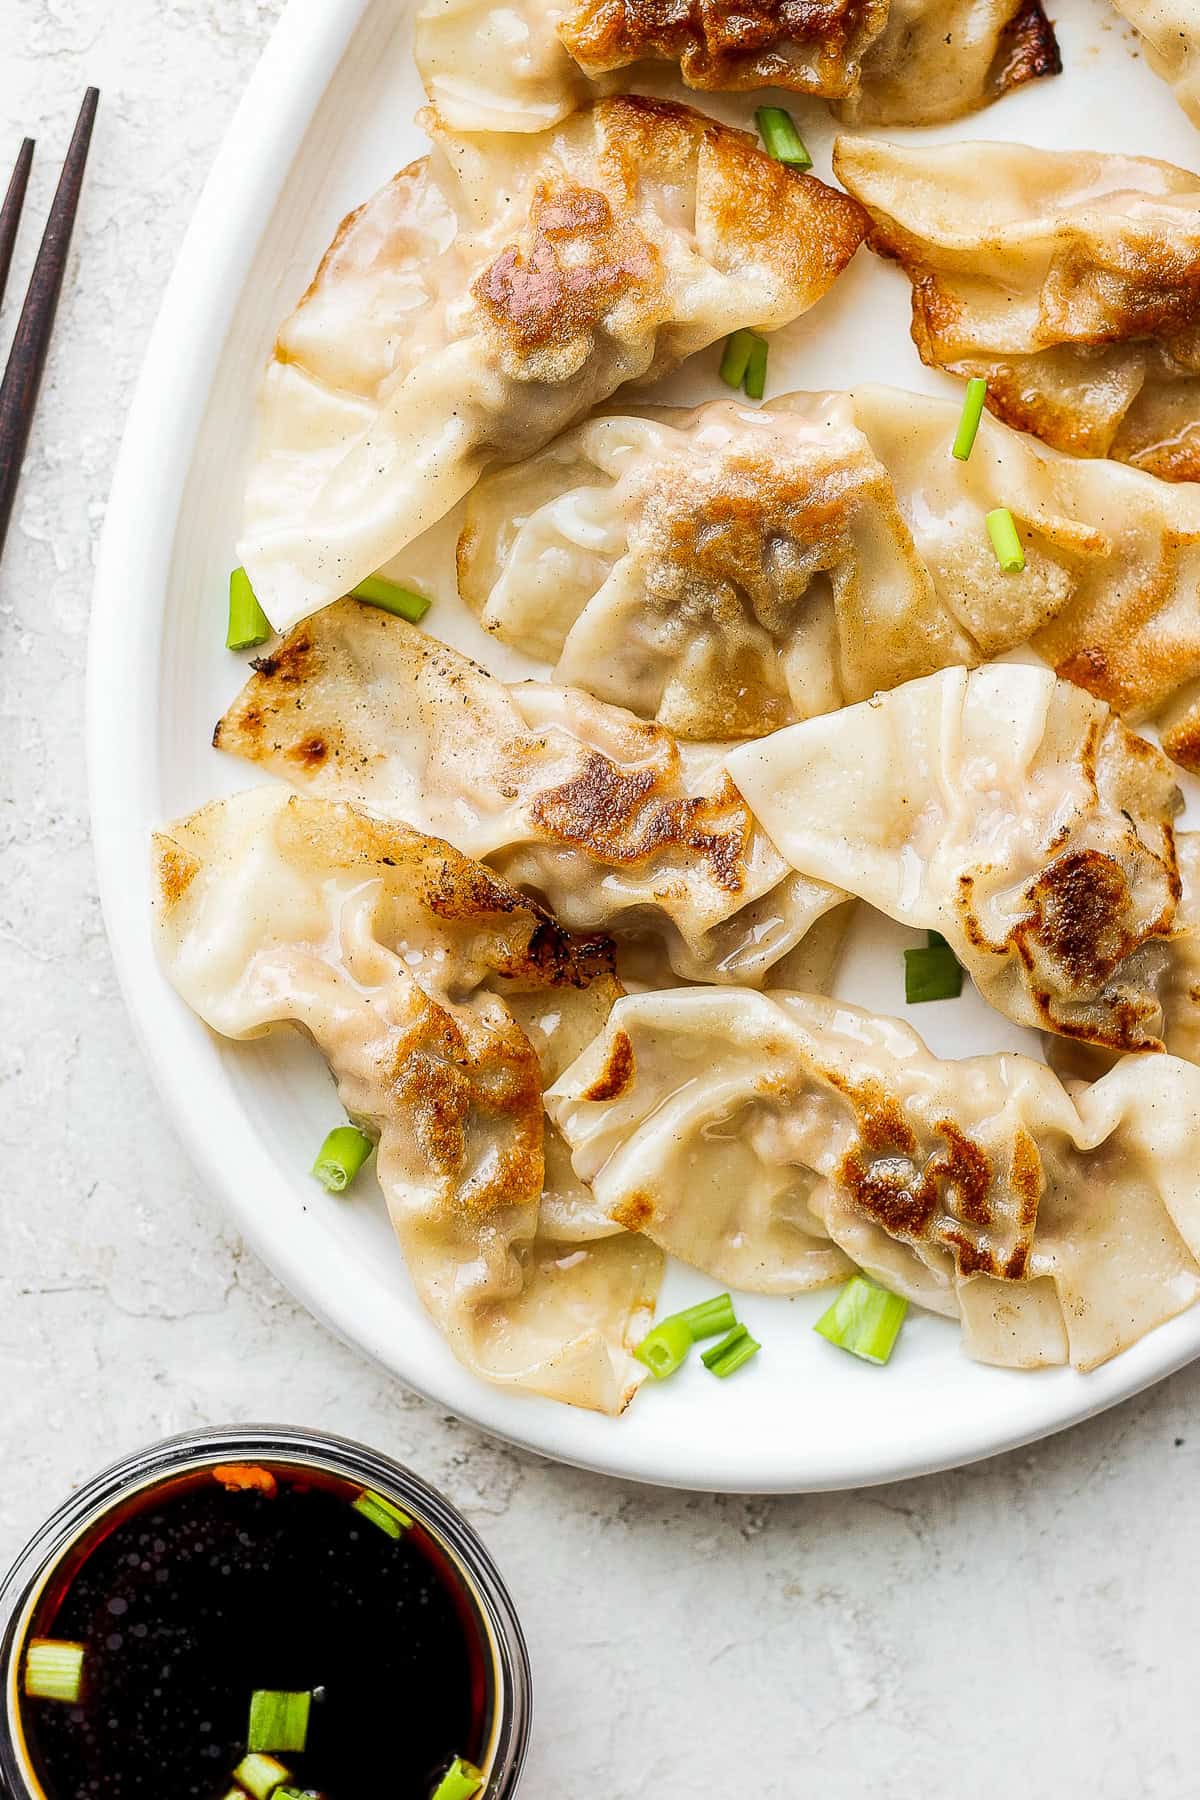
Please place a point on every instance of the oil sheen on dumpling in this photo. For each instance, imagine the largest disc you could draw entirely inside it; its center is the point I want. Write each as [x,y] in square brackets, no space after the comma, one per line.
[521,65]
[489,296]
[1069,279]
[775,1140]
[1170,30]
[1009,811]
[942,59]
[734,569]
[610,821]
[405,963]
[725,571]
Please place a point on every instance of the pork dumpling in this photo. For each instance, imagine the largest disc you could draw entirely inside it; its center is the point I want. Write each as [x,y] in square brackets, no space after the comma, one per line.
[1067,278]
[404,962]
[1170,30]
[941,59]
[1011,812]
[775,1140]
[724,571]
[522,65]
[611,822]
[489,296]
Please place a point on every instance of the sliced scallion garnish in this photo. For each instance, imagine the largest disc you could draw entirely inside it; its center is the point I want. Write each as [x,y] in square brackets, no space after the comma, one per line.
[864,1319]
[340,1158]
[709,1317]
[249,625]
[780,137]
[461,1780]
[932,972]
[756,373]
[260,1775]
[393,598]
[972,412]
[54,1670]
[278,1720]
[736,358]
[732,1351]
[665,1348]
[1005,541]
[390,1518]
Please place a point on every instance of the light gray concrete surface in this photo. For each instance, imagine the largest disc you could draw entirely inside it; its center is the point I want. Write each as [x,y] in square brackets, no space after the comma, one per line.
[1026,1628]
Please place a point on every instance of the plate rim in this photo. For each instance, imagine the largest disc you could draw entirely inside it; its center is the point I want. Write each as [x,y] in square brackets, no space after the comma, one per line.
[136,552]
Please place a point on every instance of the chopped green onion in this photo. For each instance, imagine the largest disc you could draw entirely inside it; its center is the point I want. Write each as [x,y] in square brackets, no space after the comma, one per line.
[390,1518]
[1005,541]
[461,1780]
[665,1348]
[278,1720]
[54,1670]
[393,598]
[931,974]
[709,1318]
[736,359]
[935,940]
[864,1319]
[780,137]
[972,412]
[248,623]
[340,1158]
[732,1351]
[260,1775]
[756,374]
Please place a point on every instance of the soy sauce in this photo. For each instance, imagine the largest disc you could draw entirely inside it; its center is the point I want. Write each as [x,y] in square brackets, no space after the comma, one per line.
[203,1592]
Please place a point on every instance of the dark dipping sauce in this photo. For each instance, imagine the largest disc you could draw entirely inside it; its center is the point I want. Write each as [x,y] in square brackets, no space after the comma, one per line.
[197,1594]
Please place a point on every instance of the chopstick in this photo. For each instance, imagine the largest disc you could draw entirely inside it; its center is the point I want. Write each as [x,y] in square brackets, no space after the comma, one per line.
[27,358]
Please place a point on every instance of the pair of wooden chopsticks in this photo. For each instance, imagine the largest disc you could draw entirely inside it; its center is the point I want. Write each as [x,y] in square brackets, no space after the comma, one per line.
[27,358]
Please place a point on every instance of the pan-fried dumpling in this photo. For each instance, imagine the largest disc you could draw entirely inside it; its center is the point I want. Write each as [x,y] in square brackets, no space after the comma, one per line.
[724,571]
[1009,811]
[609,821]
[772,1139]
[734,569]
[942,59]
[525,64]
[1171,32]
[1069,279]
[405,962]
[490,295]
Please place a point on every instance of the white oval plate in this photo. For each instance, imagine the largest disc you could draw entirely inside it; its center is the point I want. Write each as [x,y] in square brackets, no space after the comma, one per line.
[325,121]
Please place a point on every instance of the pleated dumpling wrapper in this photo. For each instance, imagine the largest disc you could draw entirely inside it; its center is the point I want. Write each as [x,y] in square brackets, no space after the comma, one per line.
[1008,810]
[522,65]
[1170,30]
[410,966]
[780,1140]
[733,569]
[1069,279]
[491,294]
[610,821]
[942,59]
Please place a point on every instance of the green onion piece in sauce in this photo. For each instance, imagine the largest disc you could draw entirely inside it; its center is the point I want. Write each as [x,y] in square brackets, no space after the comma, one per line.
[1005,541]
[709,1318]
[461,1780]
[390,1518]
[665,1348]
[935,940]
[393,598]
[972,412]
[756,374]
[278,1720]
[54,1670]
[781,140]
[736,358]
[732,1351]
[864,1319]
[932,973]
[249,625]
[260,1775]
[340,1158]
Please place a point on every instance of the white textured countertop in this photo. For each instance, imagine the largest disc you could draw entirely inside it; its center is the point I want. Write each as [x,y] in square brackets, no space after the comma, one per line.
[1024,1629]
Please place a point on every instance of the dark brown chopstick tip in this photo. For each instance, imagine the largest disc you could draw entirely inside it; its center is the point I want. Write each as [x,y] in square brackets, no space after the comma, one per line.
[10,212]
